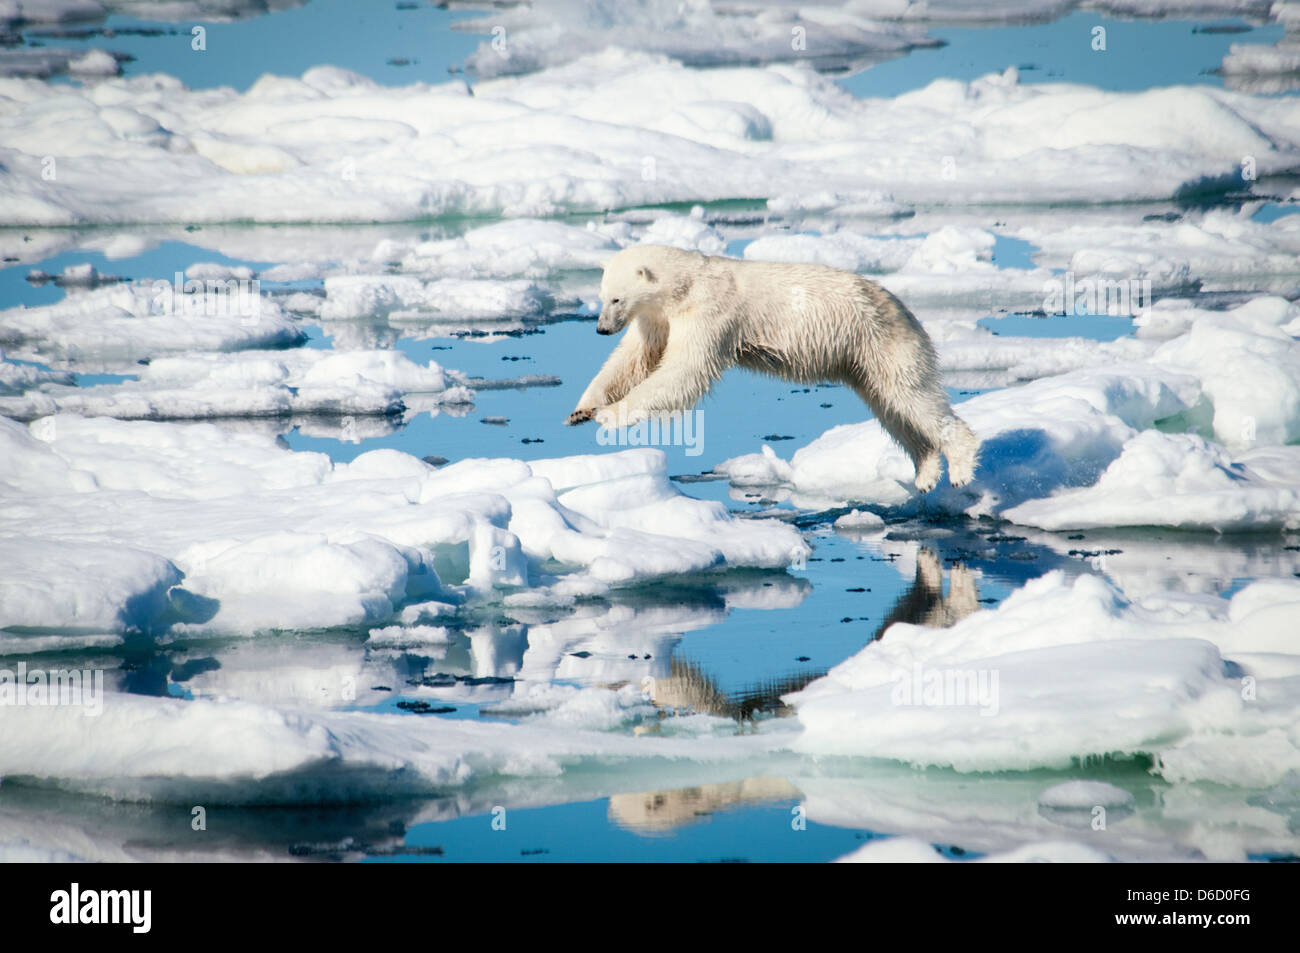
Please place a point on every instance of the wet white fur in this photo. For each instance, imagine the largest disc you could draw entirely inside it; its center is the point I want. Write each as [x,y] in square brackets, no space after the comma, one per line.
[690,317]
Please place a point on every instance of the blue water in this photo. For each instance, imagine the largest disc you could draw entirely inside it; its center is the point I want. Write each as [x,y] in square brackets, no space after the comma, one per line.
[1093,327]
[161,261]
[1139,54]
[1271,211]
[734,834]
[358,36]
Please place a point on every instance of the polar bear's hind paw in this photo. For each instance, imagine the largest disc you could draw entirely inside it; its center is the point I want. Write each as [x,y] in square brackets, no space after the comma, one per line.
[961,447]
[927,473]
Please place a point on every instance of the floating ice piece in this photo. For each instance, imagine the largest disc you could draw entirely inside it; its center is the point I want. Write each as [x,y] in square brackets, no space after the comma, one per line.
[986,694]
[266,537]
[362,296]
[860,521]
[697,33]
[689,232]
[16,378]
[1178,480]
[405,637]
[841,249]
[908,850]
[865,203]
[94,63]
[1059,431]
[255,384]
[1000,812]
[1256,59]
[1248,362]
[100,585]
[1014,359]
[522,248]
[1218,244]
[227,752]
[120,324]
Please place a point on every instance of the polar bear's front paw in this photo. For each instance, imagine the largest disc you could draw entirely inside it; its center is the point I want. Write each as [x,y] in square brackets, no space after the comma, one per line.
[580,416]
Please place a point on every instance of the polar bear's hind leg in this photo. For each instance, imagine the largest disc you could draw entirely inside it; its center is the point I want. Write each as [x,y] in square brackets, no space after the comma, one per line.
[912,430]
[896,372]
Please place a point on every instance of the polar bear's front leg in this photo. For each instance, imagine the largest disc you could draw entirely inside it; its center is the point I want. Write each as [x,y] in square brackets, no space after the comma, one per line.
[628,365]
[693,360]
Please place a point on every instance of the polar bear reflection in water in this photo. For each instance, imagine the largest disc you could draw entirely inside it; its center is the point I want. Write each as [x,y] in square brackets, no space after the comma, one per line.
[689,688]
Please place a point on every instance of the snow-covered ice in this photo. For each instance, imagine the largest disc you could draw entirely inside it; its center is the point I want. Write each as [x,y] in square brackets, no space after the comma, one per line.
[254,384]
[119,324]
[266,537]
[1162,679]
[230,752]
[584,137]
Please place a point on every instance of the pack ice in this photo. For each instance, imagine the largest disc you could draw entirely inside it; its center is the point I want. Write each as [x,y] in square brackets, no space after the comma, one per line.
[584,136]
[105,519]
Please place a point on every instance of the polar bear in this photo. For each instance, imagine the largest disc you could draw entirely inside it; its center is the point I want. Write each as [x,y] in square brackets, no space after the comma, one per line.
[689,317]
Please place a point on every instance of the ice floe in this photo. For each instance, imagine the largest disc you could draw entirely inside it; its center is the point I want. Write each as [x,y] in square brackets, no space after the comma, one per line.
[906,850]
[698,33]
[119,324]
[1170,679]
[255,384]
[143,748]
[585,136]
[266,537]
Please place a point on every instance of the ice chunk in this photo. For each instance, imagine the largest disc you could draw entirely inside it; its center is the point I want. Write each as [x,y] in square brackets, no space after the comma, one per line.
[266,537]
[227,752]
[907,850]
[255,384]
[120,324]
[985,694]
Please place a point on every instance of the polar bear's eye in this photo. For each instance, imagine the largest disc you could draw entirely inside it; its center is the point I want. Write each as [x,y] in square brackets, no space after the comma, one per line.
[615,300]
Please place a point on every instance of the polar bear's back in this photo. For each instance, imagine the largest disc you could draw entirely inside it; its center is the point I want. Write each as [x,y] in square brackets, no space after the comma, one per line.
[822,322]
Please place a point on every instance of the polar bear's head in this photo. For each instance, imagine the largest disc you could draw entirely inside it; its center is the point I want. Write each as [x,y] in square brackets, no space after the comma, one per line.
[638,281]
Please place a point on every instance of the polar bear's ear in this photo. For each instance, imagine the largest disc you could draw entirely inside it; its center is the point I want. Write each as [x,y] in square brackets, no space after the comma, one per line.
[605,263]
[647,274]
